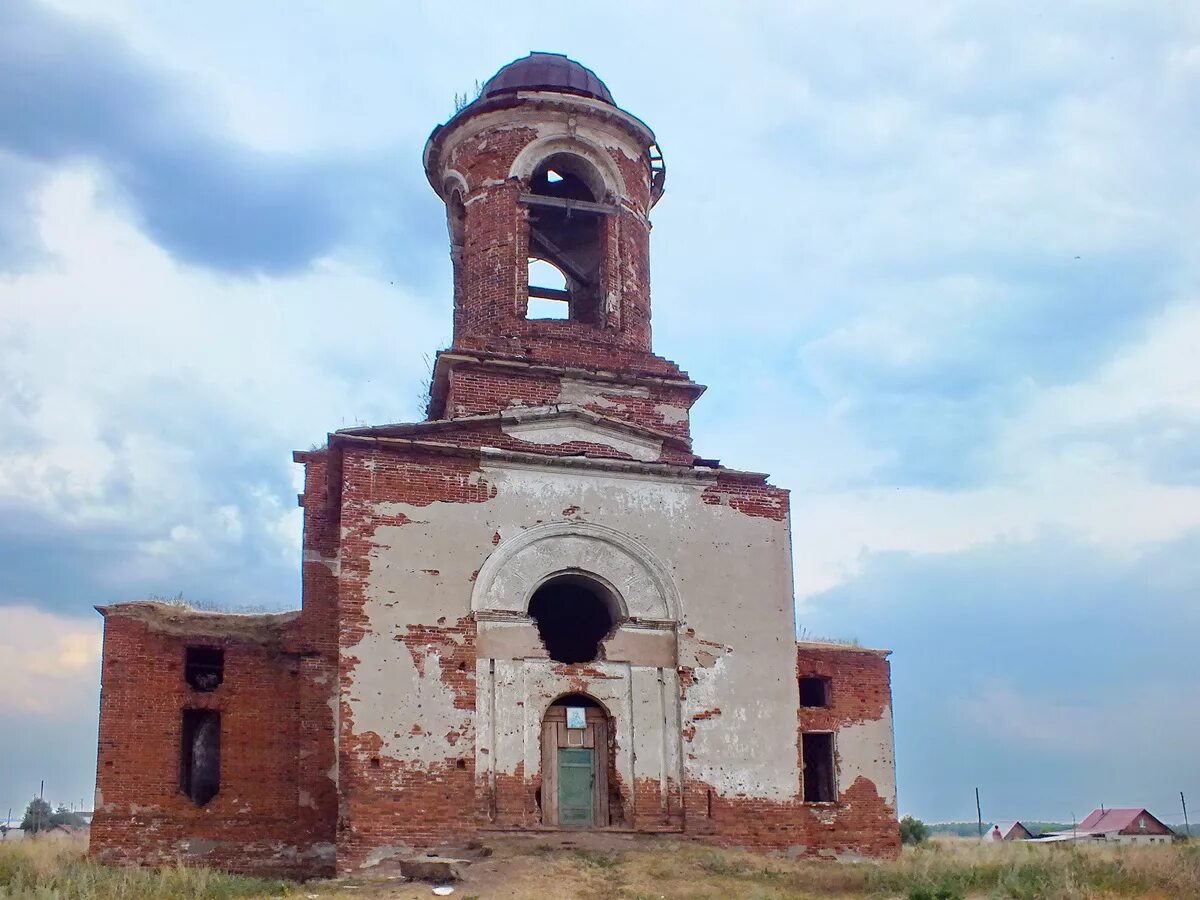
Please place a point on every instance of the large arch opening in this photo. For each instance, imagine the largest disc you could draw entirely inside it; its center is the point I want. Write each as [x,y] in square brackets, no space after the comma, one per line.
[574,614]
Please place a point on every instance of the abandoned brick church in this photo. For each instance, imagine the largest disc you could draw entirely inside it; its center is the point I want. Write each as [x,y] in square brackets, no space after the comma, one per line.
[536,609]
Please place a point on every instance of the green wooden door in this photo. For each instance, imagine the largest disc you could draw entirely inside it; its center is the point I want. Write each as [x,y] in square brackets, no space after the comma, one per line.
[576,786]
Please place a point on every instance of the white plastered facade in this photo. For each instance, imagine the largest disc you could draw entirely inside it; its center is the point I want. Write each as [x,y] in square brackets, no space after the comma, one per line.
[704,587]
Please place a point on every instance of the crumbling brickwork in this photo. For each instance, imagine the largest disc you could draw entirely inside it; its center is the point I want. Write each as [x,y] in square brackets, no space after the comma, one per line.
[274,810]
[538,608]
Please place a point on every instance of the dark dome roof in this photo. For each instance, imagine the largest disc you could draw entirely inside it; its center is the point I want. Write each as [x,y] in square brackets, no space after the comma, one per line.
[546,72]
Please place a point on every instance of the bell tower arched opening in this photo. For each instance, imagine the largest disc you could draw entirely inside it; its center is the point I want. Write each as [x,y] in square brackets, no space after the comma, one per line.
[566,230]
[574,613]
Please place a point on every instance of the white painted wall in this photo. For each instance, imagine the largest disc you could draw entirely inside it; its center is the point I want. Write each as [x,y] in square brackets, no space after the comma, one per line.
[731,571]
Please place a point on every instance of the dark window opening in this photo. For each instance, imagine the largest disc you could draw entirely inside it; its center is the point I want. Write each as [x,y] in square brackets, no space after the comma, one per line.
[566,233]
[819,783]
[200,756]
[814,691]
[572,618]
[567,177]
[204,667]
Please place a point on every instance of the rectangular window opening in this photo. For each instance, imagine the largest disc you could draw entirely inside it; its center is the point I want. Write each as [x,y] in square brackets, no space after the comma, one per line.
[814,692]
[819,782]
[541,308]
[200,755]
[204,667]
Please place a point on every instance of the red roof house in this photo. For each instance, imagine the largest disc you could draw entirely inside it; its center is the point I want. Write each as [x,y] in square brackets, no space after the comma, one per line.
[1127,826]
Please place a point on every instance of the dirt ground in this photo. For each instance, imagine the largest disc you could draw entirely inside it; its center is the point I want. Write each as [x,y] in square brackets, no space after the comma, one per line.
[589,866]
[594,866]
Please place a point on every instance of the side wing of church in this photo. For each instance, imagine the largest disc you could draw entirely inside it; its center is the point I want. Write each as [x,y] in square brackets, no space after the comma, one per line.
[536,609]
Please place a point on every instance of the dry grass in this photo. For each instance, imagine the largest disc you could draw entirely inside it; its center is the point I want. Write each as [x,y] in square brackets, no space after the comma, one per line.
[601,867]
[53,867]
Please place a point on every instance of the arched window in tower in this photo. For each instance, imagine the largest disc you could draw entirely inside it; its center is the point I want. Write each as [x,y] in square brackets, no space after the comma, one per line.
[547,291]
[566,235]
[456,223]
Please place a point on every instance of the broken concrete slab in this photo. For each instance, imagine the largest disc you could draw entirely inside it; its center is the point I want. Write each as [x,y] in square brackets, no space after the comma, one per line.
[433,868]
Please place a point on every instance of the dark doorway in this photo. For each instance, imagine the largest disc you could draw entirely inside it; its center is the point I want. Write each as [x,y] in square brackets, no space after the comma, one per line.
[573,616]
[819,782]
[200,755]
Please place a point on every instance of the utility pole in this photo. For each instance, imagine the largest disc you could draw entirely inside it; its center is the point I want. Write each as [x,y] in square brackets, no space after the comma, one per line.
[1187,829]
[979,813]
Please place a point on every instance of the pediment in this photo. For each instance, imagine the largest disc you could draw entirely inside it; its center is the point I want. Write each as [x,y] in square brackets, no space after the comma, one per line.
[569,426]
[544,426]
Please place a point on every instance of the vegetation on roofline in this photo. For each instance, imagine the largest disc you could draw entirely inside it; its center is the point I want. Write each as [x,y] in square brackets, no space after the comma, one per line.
[240,609]
[803,635]
[466,98]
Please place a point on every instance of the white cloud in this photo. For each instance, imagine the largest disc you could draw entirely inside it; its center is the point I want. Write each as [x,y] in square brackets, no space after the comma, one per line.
[50,663]
[1055,466]
[1118,726]
[142,379]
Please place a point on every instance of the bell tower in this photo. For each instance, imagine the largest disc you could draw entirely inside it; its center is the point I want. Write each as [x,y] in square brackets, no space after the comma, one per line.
[548,187]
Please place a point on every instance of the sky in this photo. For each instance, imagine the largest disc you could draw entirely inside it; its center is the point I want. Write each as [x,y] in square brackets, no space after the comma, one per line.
[937,264]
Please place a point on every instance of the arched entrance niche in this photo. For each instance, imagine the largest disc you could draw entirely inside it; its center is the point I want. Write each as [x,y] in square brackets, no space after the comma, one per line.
[577,763]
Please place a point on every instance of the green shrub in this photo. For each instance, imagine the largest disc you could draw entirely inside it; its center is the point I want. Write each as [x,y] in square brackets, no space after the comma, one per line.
[913,831]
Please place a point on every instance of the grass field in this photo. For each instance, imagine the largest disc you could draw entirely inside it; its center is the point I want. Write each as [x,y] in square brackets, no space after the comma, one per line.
[597,867]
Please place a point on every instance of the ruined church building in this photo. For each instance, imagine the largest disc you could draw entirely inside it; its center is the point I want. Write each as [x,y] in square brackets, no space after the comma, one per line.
[536,609]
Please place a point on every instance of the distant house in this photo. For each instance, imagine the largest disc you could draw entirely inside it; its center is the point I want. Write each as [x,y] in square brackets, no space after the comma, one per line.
[1120,826]
[1126,826]
[1012,831]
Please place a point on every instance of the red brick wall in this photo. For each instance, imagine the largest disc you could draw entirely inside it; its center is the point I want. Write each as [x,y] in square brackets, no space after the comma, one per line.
[386,801]
[255,822]
[316,634]
[478,390]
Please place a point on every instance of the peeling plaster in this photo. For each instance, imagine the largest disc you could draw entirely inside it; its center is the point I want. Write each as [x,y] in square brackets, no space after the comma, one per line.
[579,392]
[332,563]
[392,691]
[555,433]
[732,573]
[865,750]
[671,414]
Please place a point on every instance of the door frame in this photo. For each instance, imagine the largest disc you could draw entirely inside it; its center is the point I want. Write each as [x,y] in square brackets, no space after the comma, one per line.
[596,738]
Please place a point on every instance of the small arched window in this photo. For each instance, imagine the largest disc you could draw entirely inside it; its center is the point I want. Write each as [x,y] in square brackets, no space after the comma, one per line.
[548,294]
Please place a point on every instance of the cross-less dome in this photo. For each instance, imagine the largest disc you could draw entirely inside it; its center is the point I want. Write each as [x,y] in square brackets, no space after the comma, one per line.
[547,72]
